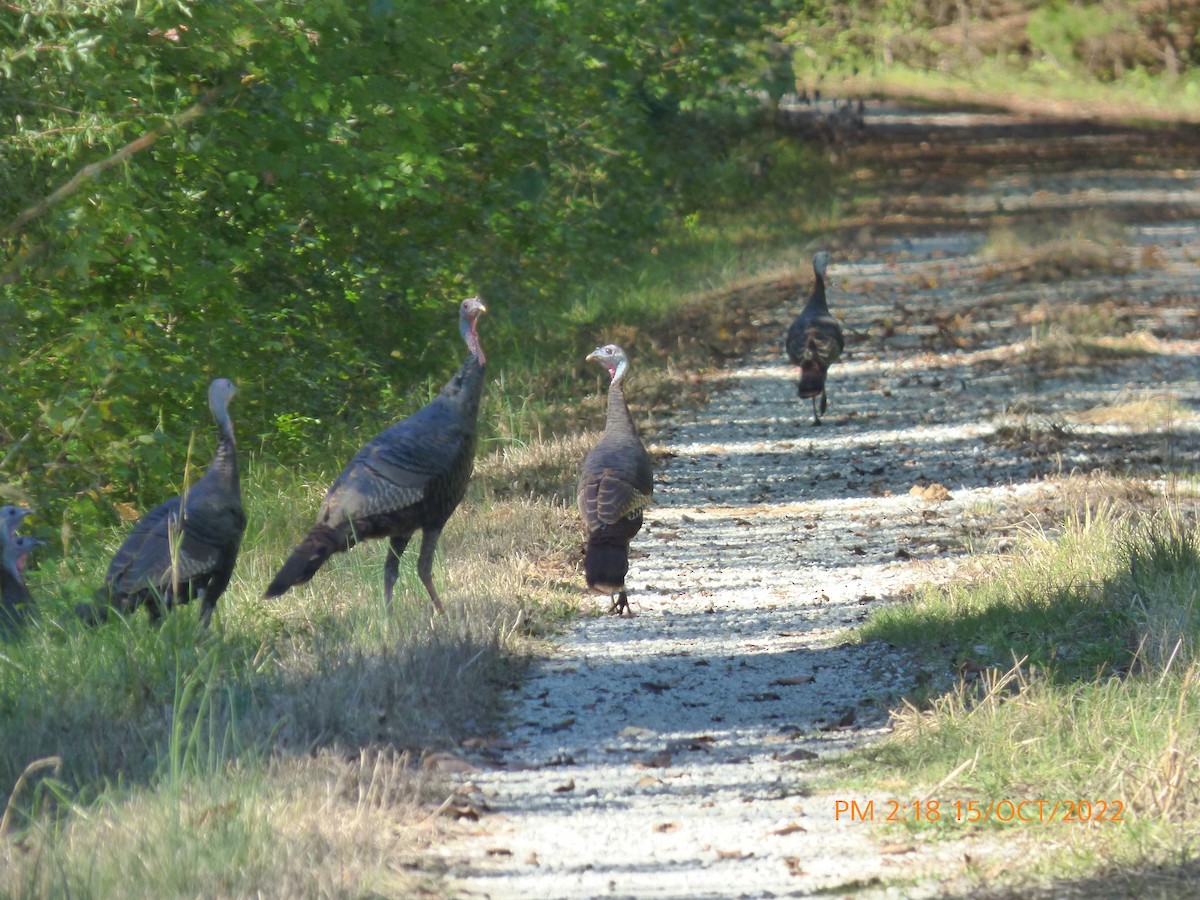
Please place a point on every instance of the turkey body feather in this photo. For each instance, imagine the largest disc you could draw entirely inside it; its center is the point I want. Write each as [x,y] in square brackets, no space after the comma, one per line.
[410,477]
[616,484]
[15,600]
[187,546]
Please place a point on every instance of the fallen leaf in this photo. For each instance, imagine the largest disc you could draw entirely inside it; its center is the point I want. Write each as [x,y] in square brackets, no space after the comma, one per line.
[648,781]
[664,827]
[789,828]
[498,851]
[797,755]
[566,787]
[656,687]
[844,722]
[659,760]
[793,680]
[897,849]
[793,865]
[934,493]
[734,854]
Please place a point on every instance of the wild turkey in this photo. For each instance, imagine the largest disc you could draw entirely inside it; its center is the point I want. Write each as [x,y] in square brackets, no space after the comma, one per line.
[186,547]
[14,549]
[11,518]
[815,341]
[411,476]
[615,486]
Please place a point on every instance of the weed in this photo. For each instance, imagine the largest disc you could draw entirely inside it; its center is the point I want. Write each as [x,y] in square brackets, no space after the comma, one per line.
[1076,678]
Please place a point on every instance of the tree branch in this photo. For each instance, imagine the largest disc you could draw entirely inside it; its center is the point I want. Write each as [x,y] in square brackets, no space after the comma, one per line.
[92,170]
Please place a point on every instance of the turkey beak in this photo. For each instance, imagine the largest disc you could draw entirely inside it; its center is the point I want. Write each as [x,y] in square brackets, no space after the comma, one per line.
[595,354]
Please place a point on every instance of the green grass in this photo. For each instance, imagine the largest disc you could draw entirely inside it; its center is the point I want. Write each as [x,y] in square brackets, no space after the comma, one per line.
[159,728]
[1036,89]
[284,751]
[1066,671]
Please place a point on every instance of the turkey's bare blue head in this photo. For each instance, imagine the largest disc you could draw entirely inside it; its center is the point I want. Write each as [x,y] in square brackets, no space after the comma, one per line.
[612,358]
[220,392]
[11,518]
[468,312]
[821,263]
[16,549]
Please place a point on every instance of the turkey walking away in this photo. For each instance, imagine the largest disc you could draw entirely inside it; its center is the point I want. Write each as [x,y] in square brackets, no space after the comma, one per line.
[187,546]
[412,476]
[815,341]
[614,488]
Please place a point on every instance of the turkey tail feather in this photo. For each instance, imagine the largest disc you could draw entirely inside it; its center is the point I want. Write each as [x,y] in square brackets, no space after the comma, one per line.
[605,564]
[812,382]
[318,545]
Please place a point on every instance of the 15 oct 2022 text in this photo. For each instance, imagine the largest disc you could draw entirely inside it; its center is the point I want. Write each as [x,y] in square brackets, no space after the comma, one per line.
[1005,811]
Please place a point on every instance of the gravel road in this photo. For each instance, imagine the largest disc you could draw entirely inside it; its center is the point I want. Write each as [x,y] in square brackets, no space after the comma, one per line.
[671,754]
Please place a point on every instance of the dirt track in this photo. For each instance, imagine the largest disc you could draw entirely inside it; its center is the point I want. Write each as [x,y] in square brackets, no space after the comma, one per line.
[667,755]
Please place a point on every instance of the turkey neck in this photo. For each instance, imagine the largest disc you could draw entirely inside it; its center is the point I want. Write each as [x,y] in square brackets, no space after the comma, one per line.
[224,462]
[817,300]
[464,388]
[618,411]
[12,579]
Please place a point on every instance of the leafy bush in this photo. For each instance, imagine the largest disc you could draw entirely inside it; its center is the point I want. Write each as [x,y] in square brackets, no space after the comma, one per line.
[296,194]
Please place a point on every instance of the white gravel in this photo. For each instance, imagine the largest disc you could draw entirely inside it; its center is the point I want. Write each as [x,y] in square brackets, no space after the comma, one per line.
[670,755]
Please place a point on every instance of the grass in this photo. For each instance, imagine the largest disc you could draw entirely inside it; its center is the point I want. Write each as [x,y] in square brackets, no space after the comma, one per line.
[255,728]
[1034,90]
[1049,248]
[292,750]
[1074,335]
[1067,671]
[1142,410]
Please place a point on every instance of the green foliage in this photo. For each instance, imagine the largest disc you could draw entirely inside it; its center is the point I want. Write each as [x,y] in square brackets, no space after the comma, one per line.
[1022,46]
[1059,30]
[296,194]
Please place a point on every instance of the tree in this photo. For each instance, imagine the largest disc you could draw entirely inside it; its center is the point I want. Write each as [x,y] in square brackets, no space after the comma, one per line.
[294,194]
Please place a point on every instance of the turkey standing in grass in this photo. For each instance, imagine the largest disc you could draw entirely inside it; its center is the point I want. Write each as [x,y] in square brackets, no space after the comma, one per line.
[187,546]
[412,476]
[14,549]
[815,341]
[614,488]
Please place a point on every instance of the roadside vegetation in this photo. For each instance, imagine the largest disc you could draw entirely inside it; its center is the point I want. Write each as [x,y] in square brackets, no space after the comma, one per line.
[1064,670]
[1107,58]
[1060,661]
[297,748]
[300,746]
